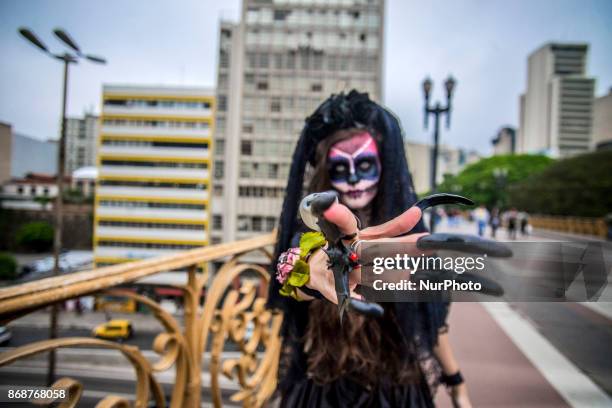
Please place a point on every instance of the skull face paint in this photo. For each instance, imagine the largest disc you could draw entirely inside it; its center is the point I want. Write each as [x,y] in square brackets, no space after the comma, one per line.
[354,170]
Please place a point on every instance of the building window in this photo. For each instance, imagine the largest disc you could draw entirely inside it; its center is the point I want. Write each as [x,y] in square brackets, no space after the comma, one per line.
[243,223]
[273,170]
[219,170]
[262,86]
[281,15]
[257,223]
[220,147]
[247,128]
[291,60]
[316,87]
[222,103]
[246,147]
[270,223]
[275,105]
[224,59]
[217,222]
[20,190]
[278,61]
[263,60]
[218,191]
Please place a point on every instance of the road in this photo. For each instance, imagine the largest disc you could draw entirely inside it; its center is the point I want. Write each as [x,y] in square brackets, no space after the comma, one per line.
[24,335]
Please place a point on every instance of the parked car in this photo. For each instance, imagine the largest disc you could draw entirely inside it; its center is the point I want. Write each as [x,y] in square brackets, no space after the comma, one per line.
[5,335]
[114,330]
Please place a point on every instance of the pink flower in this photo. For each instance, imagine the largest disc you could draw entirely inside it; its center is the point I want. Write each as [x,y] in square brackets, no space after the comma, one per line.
[285,263]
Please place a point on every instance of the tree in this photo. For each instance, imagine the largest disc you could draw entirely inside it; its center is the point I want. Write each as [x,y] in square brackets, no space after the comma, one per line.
[577,186]
[486,181]
[36,236]
[8,267]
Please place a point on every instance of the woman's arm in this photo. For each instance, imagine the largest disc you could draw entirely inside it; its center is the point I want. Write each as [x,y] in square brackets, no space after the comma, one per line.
[445,356]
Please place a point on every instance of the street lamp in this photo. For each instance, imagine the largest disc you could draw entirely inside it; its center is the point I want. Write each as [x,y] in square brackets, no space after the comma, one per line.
[67,58]
[500,174]
[436,110]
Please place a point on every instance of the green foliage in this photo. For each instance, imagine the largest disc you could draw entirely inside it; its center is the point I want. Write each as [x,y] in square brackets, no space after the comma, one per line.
[74,196]
[479,182]
[42,200]
[8,266]
[577,186]
[36,236]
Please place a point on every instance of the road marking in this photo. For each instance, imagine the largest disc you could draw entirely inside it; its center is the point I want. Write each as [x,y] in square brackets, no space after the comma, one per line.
[603,308]
[574,386]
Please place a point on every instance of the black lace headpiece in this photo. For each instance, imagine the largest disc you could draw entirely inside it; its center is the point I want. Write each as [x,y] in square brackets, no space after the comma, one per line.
[339,112]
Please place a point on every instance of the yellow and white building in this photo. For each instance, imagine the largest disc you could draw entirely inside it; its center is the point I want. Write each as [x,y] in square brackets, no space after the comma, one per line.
[154,171]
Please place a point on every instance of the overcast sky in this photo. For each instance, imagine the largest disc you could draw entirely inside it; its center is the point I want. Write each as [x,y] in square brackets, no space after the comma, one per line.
[484,44]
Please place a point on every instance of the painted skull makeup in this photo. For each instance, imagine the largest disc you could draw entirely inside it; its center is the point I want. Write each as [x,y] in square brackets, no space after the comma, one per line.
[354,169]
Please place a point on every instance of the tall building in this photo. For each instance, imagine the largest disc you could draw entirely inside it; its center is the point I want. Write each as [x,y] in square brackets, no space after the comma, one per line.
[602,122]
[504,141]
[81,134]
[275,66]
[154,171]
[451,160]
[557,108]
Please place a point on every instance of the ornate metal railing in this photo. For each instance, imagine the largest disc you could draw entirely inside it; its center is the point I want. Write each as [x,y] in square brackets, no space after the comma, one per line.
[574,225]
[225,315]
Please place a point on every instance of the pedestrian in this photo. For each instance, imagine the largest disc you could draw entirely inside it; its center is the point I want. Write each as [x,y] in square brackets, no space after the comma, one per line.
[512,222]
[481,216]
[523,218]
[494,221]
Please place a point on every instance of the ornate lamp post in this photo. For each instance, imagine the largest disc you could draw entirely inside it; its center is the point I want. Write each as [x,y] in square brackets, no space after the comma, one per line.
[500,174]
[67,58]
[436,111]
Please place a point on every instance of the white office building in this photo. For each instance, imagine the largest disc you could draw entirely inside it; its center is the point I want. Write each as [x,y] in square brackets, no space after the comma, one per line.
[275,67]
[556,111]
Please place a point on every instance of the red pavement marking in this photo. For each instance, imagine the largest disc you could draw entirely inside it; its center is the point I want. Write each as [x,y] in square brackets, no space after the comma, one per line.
[496,371]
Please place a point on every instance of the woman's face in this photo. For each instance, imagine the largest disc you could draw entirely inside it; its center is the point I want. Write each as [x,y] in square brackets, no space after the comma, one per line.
[354,169]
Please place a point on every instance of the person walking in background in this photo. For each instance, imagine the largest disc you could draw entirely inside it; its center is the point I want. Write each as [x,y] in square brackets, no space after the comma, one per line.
[481,216]
[494,221]
[523,220]
[512,220]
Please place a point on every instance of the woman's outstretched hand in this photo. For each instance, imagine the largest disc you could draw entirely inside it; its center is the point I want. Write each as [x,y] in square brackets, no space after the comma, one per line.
[321,276]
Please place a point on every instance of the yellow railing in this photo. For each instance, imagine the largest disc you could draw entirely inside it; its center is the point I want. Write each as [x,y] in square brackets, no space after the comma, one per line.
[225,314]
[574,225]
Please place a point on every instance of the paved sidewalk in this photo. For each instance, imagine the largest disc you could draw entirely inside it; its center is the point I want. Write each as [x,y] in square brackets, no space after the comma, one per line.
[507,358]
[497,373]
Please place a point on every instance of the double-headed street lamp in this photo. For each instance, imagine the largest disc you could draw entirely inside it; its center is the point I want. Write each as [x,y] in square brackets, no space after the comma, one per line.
[436,110]
[68,58]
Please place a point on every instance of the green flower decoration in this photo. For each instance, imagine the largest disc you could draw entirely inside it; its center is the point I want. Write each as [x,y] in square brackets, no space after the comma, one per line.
[309,242]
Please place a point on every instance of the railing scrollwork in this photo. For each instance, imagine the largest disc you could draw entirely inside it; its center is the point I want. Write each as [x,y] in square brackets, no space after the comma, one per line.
[227,314]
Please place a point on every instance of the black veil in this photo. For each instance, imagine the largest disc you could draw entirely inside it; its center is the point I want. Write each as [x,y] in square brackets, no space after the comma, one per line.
[419,322]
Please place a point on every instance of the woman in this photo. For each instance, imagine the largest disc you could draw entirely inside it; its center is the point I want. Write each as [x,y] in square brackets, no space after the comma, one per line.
[354,146]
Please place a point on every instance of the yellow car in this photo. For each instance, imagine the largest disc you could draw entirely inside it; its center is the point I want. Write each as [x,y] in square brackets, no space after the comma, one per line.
[114,330]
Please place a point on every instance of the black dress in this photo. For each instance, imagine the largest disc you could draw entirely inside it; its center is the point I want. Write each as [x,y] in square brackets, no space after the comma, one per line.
[346,393]
[297,388]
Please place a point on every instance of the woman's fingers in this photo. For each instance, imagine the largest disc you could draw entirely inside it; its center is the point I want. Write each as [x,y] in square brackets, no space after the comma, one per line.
[339,215]
[408,242]
[399,225]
